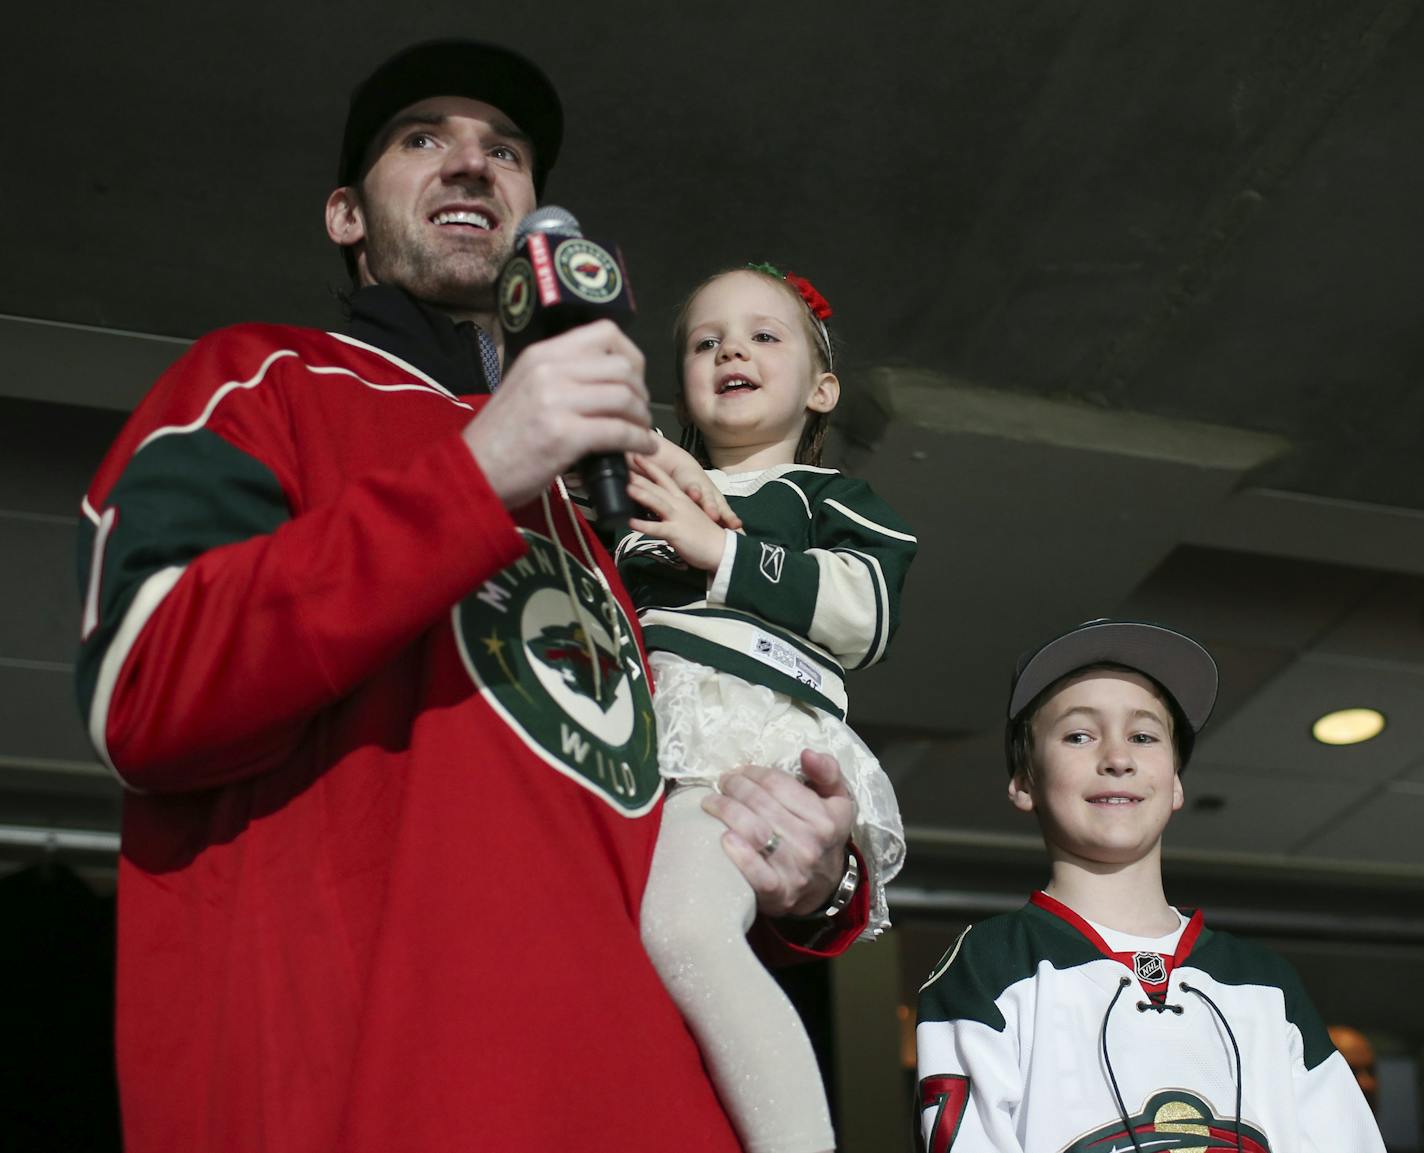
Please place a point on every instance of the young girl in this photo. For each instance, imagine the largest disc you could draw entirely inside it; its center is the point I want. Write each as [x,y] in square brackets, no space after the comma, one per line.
[750,634]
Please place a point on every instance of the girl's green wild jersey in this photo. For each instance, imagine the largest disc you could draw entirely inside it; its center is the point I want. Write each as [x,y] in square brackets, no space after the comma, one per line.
[1010,1048]
[810,588]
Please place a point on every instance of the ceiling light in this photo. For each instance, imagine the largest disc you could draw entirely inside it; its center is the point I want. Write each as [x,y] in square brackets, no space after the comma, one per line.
[1348,726]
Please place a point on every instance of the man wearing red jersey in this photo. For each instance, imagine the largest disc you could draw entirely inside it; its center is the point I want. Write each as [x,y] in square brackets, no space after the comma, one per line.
[381,703]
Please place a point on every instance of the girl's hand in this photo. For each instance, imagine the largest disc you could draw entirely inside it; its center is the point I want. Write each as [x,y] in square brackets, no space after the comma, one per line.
[682,522]
[692,479]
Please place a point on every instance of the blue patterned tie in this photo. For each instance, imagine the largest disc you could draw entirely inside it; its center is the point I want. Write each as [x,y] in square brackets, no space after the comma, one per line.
[489,357]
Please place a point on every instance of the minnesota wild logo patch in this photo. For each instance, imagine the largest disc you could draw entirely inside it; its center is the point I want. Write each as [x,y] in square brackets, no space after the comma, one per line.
[575,656]
[1173,1120]
[575,697]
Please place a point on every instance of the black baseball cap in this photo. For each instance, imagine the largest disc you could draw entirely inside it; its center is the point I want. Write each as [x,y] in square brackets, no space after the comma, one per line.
[1184,669]
[472,68]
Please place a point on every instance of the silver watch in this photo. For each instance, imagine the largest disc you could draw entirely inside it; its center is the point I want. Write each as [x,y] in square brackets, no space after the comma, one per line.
[845,891]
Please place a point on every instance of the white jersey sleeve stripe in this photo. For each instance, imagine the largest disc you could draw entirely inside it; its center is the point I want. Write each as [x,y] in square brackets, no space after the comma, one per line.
[219,394]
[722,578]
[403,365]
[877,626]
[150,595]
[947,961]
[866,522]
[331,370]
[96,573]
[214,400]
[796,488]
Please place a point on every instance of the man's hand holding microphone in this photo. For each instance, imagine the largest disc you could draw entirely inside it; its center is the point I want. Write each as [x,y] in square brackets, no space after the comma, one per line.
[573,390]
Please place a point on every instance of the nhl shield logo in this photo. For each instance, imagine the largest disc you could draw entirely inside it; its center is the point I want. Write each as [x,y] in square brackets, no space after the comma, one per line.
[1150,968]
[773,557]
[579,700]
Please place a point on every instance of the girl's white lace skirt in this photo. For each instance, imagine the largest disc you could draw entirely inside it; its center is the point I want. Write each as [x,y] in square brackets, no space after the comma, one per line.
[710,722]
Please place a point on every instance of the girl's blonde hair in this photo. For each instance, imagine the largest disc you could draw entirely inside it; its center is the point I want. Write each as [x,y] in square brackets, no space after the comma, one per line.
[818,337]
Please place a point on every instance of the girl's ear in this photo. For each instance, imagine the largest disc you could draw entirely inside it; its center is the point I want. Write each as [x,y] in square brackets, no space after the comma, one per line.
[345,223]
[826,393]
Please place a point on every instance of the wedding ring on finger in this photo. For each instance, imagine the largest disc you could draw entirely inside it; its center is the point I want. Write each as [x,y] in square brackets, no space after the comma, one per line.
[771,843]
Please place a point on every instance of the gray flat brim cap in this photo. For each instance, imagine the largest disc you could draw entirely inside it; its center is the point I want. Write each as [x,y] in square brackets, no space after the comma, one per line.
[1175,661]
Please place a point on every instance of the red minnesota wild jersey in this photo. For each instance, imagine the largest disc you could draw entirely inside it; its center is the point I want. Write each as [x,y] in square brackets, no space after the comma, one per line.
[1034,1036]
[393,790]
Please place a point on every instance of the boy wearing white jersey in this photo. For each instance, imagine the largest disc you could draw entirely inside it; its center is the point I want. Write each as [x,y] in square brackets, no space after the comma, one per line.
[1099,1018]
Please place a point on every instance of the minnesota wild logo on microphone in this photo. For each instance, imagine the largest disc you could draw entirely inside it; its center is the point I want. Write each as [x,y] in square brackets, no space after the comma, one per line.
[544,652]
[589,270]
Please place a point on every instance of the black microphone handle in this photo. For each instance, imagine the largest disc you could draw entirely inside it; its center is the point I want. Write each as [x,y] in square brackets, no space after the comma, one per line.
[605,482]
[560,295]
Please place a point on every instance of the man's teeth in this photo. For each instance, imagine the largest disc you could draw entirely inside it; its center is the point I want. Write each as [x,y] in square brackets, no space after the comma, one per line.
[478,219]
[1114,800]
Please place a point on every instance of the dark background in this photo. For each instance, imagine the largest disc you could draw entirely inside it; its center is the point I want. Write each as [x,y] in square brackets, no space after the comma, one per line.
[1131,298]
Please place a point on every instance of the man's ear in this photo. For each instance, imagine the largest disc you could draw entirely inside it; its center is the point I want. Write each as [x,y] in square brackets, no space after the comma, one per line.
[1021,792]
[345,222]
[826,394]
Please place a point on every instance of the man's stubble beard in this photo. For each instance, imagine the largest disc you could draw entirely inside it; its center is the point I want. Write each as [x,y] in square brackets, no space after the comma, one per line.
[456,278]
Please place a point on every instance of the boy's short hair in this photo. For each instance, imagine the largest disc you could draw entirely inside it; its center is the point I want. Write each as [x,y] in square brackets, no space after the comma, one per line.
[1181,670]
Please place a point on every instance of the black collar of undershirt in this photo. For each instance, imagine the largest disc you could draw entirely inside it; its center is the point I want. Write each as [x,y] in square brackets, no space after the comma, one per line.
[393,320]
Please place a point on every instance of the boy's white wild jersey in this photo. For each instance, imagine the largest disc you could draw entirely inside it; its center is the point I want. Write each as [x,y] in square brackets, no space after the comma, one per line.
[1034,1036]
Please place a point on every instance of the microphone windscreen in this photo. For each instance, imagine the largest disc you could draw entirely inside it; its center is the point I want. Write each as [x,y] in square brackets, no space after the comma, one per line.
[552,219]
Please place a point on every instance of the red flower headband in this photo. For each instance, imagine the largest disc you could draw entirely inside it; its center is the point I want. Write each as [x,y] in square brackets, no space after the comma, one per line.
[819,306]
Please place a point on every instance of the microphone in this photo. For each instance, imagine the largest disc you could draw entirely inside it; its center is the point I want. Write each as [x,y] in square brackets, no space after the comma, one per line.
[557,279]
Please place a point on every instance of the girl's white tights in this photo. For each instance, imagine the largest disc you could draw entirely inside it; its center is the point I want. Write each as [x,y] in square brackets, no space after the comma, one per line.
[696,913]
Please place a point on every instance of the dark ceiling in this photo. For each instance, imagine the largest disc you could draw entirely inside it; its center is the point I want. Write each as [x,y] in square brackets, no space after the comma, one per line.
[1206,210]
